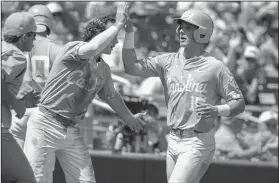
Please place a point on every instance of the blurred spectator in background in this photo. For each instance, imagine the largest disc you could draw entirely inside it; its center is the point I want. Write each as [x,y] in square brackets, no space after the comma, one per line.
[226,137]
[247,71]
[150,86]
[66,24]
[270,135]
[269,49]
[125,137]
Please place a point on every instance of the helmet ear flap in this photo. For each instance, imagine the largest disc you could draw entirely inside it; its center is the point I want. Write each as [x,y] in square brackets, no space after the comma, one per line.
[202,35]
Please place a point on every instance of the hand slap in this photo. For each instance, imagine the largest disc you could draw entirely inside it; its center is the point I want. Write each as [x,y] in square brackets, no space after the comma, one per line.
[129,25]
[122,12]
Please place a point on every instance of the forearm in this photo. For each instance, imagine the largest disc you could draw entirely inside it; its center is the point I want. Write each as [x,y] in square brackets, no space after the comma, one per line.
[249,152]
[231,60]
[129,53]
[6,95]
[252,92]
[99,42]
[129,58]
[118,105]
[231,108]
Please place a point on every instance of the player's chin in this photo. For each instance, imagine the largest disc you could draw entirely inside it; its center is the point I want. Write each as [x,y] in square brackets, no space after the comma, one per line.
[185,45]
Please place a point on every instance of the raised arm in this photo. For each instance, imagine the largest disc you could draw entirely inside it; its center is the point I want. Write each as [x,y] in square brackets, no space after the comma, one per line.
[99,42]
[133,66]
[231,58]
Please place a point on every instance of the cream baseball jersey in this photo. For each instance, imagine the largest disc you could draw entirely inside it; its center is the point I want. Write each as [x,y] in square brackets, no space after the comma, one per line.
[39,63]
[189,82]
[73,83]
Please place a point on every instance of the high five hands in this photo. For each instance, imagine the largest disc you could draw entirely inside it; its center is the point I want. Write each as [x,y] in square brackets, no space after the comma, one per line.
[122,13]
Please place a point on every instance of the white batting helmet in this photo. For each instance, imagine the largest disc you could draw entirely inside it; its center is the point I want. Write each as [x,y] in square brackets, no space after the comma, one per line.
[43,17]
[200,19]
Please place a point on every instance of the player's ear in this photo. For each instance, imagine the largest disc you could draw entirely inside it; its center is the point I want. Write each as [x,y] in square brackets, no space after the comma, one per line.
[22,38]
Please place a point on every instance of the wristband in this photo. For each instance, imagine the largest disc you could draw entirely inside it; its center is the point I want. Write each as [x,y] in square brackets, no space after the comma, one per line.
[224,110]
[129,41]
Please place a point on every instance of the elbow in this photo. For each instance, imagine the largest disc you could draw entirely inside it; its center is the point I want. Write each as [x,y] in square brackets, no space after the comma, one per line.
[241,106]
[129,69]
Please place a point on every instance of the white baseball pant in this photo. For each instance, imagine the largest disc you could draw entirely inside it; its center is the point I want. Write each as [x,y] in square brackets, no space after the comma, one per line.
[45,138]
[189,156]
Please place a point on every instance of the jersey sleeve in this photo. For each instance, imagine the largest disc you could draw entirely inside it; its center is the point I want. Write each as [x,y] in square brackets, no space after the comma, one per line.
[108,90]
[156,64]
[13,66]
[70,51]
[227,87]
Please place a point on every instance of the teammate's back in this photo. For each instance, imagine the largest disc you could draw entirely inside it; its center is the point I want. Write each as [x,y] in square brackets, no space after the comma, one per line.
[41,59]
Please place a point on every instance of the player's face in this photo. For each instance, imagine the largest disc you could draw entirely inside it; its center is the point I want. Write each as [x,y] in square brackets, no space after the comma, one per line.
[27,41]
[110,46]
[185,31]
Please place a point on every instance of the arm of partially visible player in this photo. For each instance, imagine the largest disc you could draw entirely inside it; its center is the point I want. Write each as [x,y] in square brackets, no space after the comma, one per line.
[6,95]
[99,42]
[115,101]
[9,99]
[231,58]
[133,66]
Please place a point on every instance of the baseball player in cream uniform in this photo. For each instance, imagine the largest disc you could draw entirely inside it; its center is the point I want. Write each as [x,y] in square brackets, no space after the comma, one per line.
[19,35]
[194,84]
[77,75]
[39,62]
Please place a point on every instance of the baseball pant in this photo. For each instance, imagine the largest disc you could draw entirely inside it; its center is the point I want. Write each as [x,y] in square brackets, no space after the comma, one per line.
[45,138]
[14,166]
[19,126]
[189,156]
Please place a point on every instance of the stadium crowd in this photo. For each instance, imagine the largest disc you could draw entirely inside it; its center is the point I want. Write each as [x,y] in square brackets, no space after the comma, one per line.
[245,38]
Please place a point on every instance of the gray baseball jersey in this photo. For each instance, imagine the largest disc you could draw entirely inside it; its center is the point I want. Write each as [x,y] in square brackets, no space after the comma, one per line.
[73,83]
[188,82]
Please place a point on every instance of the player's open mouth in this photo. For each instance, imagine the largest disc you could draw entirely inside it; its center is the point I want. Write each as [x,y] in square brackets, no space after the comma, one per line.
[183,39]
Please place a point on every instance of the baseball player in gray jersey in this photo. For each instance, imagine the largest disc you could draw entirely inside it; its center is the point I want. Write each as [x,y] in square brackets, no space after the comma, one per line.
[19,35]
[77,75]
[39,62]
[194,84]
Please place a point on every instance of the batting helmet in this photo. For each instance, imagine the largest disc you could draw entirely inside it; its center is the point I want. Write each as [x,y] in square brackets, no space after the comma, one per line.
[43,17]
[200,19]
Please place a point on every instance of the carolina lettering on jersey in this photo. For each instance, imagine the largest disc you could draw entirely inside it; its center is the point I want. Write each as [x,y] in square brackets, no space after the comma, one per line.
[189,86]
[189,82]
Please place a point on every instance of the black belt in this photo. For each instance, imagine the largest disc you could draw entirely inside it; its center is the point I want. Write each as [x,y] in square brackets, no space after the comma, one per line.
[180,131]
[64,121]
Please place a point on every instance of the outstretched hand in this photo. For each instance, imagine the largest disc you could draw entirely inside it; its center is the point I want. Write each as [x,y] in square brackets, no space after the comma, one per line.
[128,26]
[122,13]
[136,123]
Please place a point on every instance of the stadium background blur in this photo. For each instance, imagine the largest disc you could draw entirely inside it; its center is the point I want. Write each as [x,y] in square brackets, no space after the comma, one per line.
[250,136]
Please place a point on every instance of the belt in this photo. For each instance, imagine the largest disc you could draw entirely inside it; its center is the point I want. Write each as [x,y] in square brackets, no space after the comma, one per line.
[180,132]
[64,121]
